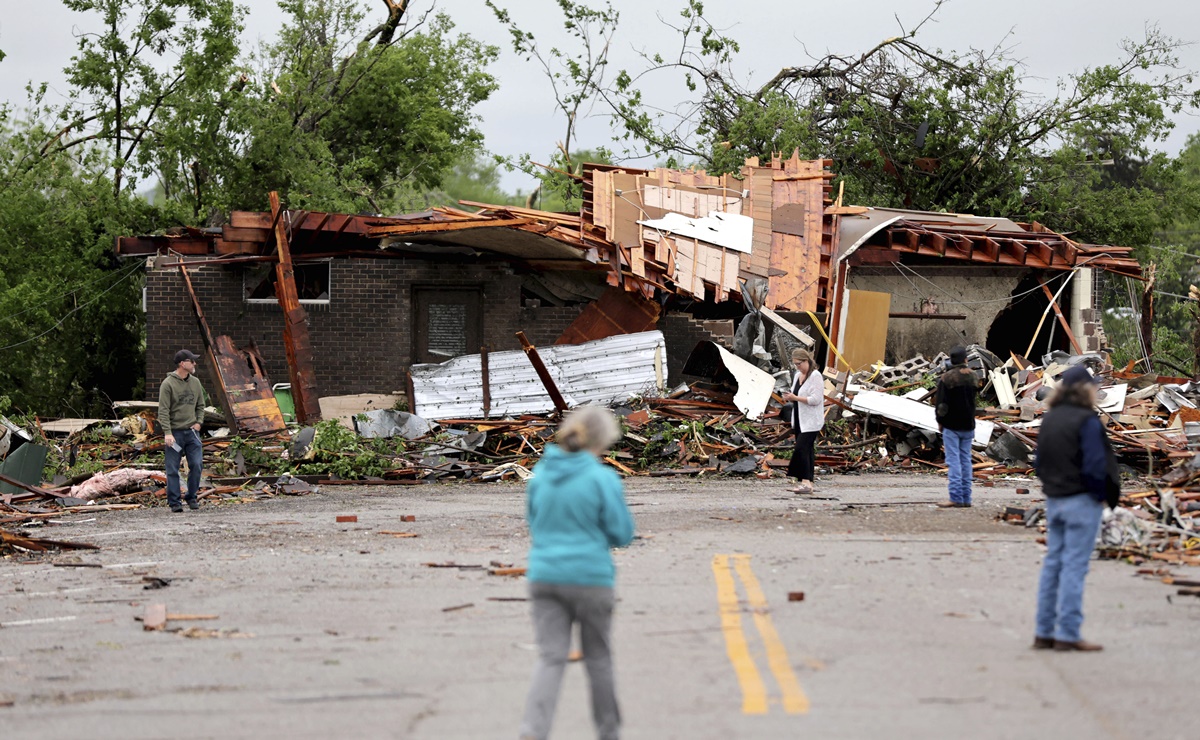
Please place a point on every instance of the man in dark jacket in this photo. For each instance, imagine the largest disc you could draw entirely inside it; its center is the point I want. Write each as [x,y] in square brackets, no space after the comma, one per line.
[955,404]
[1079,475]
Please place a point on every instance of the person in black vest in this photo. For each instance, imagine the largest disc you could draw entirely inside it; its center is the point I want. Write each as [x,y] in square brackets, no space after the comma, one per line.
[955,408]
[1079,475]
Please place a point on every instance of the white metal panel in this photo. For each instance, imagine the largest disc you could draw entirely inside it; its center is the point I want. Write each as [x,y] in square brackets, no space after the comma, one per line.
[914,413]
[729,230]
[755,385]
[602,372]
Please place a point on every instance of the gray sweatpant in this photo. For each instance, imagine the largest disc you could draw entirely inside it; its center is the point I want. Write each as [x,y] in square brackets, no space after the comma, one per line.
[555,610]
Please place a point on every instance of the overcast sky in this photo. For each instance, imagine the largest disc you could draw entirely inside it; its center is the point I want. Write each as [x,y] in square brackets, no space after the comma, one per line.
[1053,37]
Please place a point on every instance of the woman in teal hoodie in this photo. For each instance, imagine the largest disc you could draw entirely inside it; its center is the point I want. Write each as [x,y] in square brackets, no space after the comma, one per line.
[576,510]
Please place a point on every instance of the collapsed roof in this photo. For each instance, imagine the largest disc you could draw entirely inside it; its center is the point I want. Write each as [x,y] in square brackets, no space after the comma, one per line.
[668,232]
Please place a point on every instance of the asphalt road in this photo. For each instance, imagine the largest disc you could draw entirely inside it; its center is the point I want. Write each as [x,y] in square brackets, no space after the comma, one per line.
[915,622]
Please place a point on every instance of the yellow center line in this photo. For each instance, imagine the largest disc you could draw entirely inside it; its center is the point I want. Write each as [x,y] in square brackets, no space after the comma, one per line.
[754,691]
[794,699]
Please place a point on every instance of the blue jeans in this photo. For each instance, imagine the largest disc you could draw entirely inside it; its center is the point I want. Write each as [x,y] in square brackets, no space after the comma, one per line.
[1072,524]
[189,441]
[958,456]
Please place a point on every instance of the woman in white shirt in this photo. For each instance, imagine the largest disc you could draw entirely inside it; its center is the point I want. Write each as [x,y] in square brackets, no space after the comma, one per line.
[806,414]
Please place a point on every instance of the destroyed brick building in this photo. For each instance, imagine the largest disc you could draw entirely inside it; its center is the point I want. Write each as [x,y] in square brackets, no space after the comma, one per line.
[648,249]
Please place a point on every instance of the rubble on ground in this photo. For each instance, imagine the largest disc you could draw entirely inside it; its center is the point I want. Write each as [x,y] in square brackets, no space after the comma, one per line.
[726,425]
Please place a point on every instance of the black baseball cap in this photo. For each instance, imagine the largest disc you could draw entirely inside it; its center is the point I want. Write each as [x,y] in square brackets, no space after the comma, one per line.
[184,354]
[1078,374]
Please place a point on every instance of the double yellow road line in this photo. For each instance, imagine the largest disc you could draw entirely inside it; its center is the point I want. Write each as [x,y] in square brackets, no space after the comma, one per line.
[754,689]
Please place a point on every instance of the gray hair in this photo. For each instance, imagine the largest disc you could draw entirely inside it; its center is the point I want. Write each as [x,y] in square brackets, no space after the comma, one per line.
[592,428]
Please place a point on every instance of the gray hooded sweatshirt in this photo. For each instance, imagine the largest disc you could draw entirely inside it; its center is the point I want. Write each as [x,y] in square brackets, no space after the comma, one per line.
[180,402]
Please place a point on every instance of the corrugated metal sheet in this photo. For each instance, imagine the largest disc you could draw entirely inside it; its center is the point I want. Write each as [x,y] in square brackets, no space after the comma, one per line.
[604,371]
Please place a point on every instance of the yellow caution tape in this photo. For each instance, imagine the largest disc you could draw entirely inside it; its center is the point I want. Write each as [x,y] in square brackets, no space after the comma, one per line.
[817,323]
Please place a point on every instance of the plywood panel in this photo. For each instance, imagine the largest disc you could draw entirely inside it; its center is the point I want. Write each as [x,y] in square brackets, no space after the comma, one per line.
[814,233]
[626,210]
[685,263]
[602,194]
[783,287]
[798,206]
[733,266]
[615,312]
[761,204]
[866,328]
[713,263]
[637,260]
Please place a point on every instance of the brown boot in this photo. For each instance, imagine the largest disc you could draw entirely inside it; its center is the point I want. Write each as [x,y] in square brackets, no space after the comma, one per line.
[1083,646]
[1043,643]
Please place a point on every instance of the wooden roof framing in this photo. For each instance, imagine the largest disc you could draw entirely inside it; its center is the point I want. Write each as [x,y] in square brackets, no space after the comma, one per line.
[794,241]
[1037,248]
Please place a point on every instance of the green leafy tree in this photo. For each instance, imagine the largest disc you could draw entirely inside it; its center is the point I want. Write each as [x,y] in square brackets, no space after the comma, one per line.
[70,319]
[928,129]
[339,116]
[577,79]
[475,178]
[150,60]
[336,113]
[919,128]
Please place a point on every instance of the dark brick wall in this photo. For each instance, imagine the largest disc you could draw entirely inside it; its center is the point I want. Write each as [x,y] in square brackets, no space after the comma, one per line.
[682,333]
[545,324]
[362,340]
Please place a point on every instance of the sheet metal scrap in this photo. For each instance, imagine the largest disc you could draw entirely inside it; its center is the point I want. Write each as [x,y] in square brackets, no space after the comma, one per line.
[606,370]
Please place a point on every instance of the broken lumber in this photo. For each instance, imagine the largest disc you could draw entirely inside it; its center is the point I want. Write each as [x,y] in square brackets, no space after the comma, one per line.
[296,340]
[540,367]
[510,572]
[791,329]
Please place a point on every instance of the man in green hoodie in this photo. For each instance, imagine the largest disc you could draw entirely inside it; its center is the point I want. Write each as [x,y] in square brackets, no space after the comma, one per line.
[180,409]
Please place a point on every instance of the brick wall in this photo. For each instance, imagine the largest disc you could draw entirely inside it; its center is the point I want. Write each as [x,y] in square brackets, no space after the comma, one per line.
[362,340]
[545,324]
[682,333]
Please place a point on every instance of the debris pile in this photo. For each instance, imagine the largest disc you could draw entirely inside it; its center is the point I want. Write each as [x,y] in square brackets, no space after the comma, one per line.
[1148,417]
[1161,524]
[726,423]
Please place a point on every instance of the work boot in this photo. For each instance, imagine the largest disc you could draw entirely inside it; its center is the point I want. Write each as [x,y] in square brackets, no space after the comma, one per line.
[1082,646]
[1043,643]
[193,503]
[178,509]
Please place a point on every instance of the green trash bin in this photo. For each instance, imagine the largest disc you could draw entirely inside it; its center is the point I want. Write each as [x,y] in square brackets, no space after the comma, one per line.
[283,396]
[24,464]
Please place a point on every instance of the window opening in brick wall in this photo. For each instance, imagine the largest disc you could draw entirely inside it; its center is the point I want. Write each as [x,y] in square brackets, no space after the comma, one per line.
[447,329]
[312,283]
[448,322]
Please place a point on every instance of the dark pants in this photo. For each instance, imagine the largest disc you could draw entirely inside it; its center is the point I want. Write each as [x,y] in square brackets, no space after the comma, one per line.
[555,609]
[189,442]
[804,459]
